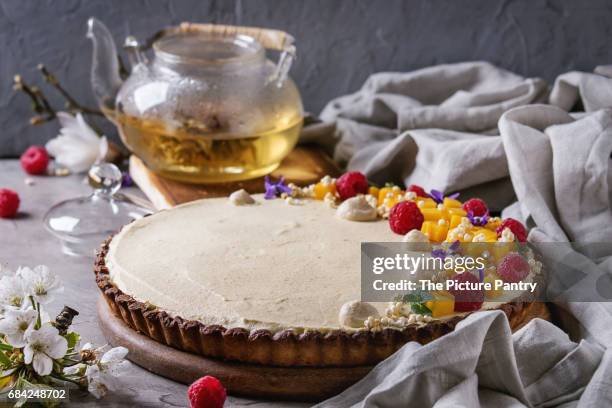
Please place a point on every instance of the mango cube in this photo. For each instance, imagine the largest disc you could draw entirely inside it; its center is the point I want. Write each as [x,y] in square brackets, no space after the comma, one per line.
[455,220]
[389,196]
[441,306]
[456,211]
[493,223]
[321,190]
[492,293]
[389,202]
[433,214]
[384,191]
[489,236]
[459,234]
[434,230]
[426,203]
[451,203]
[373,191]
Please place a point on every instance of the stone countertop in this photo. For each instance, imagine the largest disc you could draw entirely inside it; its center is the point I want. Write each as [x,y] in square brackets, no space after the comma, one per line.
[25,241]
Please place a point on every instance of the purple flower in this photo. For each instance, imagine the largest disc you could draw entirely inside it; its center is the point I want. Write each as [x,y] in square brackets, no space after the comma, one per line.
[441,253]
[275,189]
[438,253]
[478,221]
[481,274]
[438,196]
[126,179]
[454,247]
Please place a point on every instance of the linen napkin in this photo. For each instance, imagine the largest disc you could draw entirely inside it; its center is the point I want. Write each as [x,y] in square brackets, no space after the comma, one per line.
[560,168]
[435,127]
[593,91]
[481,363]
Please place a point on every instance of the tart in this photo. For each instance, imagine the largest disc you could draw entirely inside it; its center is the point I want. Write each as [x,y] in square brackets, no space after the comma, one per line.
[269,280]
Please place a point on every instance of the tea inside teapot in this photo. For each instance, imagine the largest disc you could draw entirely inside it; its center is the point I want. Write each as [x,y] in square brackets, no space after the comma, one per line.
[209,154]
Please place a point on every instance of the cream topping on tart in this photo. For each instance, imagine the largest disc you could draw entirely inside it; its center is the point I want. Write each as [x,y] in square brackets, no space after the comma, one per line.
[277,266]
[272,266]
[357,209]
[241,197]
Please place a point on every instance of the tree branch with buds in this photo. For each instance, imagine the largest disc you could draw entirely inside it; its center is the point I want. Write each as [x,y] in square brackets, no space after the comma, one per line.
[43,110]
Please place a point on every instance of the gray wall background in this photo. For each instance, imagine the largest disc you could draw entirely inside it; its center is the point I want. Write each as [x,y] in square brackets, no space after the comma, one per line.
[340,42]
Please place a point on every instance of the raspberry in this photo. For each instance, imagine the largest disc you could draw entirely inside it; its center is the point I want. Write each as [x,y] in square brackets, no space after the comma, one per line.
[350,184]
[35,160]
[206,392]
[467,300]
[476,206]
[9,203]
[404,217]
[519,231]
[513,268]
[418,190]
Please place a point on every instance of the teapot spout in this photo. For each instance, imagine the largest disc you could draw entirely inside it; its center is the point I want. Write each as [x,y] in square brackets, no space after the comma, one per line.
[105,77]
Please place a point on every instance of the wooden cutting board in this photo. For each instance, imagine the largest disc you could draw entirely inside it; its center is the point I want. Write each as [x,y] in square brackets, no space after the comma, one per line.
[249,380]
[304,165]
[241,379]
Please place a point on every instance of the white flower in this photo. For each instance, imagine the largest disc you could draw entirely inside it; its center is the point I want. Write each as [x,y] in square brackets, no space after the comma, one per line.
[77,146]
[40,283]
[16,324]
[90,353]
[90,346]
[102,377]
[12,292]
[77,369]
[42,347]
[114,358]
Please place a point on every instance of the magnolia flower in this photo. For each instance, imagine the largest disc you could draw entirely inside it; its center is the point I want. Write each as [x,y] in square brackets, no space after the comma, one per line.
[12,292]
[40,283]
[77,146]
[16,324]
[42,347]
[102,376]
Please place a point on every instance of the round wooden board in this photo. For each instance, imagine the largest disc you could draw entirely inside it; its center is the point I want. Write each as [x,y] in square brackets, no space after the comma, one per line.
[249,380]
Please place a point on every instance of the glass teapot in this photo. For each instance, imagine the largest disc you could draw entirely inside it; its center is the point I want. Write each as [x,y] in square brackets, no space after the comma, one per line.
[208,106]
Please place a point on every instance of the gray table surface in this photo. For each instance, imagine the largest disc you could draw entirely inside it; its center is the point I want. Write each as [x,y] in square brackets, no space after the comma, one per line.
[24,241]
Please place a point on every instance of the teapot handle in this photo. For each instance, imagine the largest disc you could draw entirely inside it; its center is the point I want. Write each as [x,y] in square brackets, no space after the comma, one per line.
[269,38]
[283,66]
[135,52]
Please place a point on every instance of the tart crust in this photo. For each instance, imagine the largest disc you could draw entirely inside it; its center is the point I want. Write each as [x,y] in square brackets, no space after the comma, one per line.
[283,348]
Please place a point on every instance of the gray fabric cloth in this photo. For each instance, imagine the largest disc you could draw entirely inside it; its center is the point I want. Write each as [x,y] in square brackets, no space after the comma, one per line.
[560,169]
[435,127]
[594,91]
[481,363]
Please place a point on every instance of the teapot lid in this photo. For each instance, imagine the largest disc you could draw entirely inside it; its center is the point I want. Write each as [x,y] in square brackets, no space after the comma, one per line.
[82,223]
[207,48]
[269,38]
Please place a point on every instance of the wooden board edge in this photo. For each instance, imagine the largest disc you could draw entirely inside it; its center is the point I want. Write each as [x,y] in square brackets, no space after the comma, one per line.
[150,185]
[241,379]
